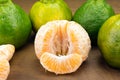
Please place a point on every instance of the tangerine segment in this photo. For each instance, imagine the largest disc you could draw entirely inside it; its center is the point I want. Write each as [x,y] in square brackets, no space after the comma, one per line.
[61,64]
[7,51]
[78,39]
[4,69]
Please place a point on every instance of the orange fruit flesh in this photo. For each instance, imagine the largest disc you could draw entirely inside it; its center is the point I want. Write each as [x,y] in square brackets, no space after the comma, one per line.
[62,46]
[4,69]
[61,64]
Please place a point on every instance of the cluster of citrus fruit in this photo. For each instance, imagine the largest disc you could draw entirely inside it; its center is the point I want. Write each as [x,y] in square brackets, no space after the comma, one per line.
[103,27]
[62,45]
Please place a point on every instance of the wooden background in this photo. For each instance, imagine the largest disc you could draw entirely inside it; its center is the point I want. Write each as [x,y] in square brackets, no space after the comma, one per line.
[26,66]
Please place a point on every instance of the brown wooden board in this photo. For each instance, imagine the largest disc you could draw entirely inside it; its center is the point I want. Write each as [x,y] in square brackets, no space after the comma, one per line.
[26,66]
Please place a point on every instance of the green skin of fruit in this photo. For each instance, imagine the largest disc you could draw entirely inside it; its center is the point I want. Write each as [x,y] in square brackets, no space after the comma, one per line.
[44,11]
[109,41]
[91,15]
[15,25]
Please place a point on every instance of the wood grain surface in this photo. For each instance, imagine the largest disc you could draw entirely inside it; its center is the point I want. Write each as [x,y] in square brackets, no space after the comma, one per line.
[26,66]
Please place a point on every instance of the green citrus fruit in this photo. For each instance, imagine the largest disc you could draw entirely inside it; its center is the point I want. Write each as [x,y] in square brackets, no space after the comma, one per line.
[47,10]
[109,41]
[15,25]
[91,15]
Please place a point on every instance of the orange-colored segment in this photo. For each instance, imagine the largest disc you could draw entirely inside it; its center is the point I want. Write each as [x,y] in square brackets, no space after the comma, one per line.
[4,69]
[74,42]
[61,64]
[46,42]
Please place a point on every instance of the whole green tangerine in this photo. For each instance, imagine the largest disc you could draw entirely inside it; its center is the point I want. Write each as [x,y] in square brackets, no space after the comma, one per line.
[109,41]
[15,25]
[44,11]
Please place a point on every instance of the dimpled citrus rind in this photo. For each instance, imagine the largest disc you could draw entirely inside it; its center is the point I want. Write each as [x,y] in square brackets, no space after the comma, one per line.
[45,11]
[109,40]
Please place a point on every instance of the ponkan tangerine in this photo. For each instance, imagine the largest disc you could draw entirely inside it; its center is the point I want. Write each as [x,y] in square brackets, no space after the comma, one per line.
[62,46]
[91,15]
[44,11]
[15,25]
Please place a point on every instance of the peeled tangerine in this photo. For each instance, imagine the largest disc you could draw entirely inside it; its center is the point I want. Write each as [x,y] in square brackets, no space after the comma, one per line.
[6,53]
[62,46]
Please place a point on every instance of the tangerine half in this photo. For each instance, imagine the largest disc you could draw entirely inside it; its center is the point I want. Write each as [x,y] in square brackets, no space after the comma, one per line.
[62,46]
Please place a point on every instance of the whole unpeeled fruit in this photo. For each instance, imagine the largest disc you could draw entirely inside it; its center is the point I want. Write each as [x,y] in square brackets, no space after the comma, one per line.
[91,15]
[109,41]
[47,10]
[15,25]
